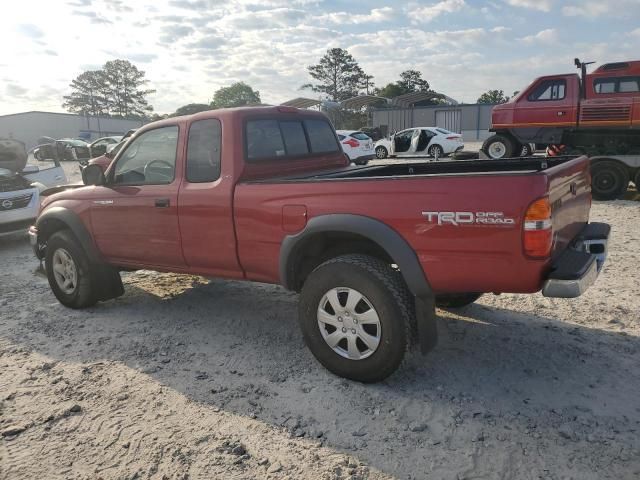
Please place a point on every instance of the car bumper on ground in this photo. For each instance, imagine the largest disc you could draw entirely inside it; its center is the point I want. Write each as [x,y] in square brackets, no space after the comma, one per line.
[577,268]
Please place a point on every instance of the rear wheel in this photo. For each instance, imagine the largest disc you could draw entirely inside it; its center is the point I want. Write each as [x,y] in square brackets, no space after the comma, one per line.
[609,180]
[499,146]
[356,317]
[381,153]
[436,151]
[68,271]
[636,180]
[456,300]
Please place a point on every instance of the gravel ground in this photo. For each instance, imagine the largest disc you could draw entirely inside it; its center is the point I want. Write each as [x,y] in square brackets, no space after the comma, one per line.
[183,377]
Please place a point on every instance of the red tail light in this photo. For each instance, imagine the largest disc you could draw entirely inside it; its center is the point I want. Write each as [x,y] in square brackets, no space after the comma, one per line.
[352,142]
[538,231]
[456,137]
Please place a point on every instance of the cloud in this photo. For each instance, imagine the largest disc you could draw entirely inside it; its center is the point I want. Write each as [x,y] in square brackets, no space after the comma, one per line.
[547,37]
[173,33]
[586,9]
[138,57]
[30,30]
[264,19]
[93,17]
[384,14]
[418,13]
[542,5]
[15,90]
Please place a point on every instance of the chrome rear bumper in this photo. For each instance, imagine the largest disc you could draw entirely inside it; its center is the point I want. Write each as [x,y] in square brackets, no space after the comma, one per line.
[578,266]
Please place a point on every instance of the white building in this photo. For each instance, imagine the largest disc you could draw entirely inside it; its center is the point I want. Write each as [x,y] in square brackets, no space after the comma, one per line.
[28,127]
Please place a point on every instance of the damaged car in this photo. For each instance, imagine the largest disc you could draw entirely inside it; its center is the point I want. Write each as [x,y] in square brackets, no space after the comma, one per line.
[21,184]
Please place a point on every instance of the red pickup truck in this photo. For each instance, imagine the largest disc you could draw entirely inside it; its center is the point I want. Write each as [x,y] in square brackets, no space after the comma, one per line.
[266,194]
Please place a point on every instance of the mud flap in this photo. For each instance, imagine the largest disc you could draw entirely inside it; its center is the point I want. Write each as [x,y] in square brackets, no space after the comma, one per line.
[426,320]
[106,281]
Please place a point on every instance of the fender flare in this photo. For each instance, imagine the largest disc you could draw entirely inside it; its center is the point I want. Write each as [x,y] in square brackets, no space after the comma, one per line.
[392,242]
[73,223]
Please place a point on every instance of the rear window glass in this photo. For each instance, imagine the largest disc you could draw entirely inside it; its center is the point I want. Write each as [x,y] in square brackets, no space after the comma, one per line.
[264,139]
[321,136]
[284,138]
[295,141]
[359,136]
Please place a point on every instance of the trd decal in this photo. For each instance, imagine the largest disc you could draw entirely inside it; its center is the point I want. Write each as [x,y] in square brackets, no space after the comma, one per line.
[468,218]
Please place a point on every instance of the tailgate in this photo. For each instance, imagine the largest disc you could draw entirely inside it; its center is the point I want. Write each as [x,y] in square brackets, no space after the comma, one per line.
[569,187]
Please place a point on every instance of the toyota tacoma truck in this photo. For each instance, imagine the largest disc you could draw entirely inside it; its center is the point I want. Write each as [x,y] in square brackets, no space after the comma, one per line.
[266,194]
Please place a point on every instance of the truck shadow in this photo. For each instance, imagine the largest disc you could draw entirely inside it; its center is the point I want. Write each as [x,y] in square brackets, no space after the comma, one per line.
[237,346]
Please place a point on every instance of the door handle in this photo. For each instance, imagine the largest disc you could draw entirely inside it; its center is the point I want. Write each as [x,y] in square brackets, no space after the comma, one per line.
[162,202]
[562,113]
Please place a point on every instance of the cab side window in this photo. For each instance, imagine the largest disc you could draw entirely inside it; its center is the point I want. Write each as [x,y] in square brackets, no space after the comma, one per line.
[203,151]
[548,90]
[150,159]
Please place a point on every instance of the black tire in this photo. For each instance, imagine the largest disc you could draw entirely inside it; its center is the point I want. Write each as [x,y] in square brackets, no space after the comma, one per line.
[381,153]
[456,300]
[83,294]
[385,290]
[526,150]
[508,146]
[636,180]
[609,180]
[362,162]
[436,148]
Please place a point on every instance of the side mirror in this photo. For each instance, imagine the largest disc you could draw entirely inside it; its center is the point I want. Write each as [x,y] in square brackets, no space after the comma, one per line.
[93,175]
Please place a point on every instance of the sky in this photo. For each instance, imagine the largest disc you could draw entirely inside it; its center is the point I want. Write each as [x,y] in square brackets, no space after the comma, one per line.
[190,48]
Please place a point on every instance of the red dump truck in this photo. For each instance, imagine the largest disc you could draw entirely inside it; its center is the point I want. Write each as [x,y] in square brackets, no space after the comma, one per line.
[597,114]
[266,194]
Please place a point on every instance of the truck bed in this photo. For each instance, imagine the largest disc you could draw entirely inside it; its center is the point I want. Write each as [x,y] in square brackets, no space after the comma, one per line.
[456,258]
[455,167]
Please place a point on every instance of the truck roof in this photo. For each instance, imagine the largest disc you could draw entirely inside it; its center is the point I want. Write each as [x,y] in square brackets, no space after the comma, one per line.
[629,67]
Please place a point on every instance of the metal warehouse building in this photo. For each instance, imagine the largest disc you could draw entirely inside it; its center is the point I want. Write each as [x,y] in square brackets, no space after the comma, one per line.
[472,121]
[28,127]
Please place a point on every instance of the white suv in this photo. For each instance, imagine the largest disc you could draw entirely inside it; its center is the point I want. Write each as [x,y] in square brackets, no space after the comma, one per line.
[357,145]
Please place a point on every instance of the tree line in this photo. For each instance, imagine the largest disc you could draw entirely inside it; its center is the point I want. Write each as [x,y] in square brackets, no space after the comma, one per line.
[118,89]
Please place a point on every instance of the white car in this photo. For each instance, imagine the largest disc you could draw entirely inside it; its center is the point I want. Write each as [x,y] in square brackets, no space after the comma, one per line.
[357,145]
[20,190]
[419,141]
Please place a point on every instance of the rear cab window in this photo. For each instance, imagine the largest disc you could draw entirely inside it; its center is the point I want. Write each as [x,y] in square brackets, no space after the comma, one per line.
[616,85]
[287,138]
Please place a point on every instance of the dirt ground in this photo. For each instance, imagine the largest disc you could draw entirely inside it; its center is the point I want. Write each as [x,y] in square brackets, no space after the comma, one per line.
[185,378]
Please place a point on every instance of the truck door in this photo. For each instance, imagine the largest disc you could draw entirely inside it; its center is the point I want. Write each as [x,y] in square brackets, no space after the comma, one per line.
[549,102]
[134,217]
[205,206]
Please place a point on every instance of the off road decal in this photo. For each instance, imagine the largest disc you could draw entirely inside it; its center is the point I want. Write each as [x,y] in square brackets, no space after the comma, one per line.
[468,218]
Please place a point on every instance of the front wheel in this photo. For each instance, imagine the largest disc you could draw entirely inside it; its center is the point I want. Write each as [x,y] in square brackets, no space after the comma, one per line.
[356,317]
[381,153]
[499,146]
[68,271]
